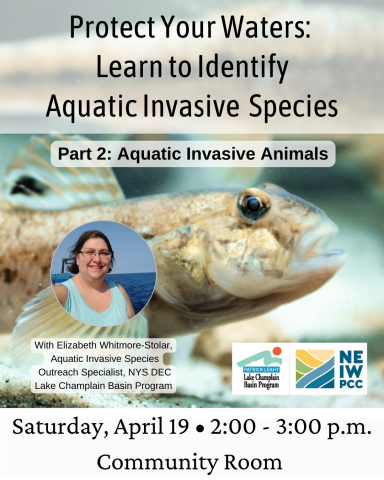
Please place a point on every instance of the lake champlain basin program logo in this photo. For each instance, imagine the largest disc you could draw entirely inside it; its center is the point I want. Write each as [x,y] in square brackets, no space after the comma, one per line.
[260,369]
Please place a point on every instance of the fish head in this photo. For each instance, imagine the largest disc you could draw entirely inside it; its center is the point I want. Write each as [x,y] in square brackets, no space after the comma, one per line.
[271,242]
[249,253]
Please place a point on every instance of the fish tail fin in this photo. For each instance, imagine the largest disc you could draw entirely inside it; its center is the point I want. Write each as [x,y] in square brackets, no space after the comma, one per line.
[44,317]
[32,182]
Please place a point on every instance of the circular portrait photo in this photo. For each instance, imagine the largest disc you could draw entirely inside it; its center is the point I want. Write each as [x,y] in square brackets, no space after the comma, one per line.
[103,273]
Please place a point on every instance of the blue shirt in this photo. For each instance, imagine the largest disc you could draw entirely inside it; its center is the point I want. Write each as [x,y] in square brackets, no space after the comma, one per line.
[114,315]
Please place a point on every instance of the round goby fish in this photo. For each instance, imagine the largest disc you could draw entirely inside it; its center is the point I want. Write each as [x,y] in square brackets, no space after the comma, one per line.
[228,257]
[221,256]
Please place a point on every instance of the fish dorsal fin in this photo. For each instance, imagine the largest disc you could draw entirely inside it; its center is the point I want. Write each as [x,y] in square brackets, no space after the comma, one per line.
[32,182]
[44,317]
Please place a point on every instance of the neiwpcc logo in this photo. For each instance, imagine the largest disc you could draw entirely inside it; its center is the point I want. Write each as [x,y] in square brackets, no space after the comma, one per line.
[315,369]
[328,369]
[257,369]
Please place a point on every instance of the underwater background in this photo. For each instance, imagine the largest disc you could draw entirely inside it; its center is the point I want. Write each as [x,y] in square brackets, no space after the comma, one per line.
[349,308]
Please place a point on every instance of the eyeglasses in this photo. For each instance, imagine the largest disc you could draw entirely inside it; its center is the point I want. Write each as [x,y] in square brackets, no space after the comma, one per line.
[92,253]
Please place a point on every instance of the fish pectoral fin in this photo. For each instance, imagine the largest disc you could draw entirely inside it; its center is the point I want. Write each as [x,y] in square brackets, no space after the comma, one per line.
[32,182]
[44,317]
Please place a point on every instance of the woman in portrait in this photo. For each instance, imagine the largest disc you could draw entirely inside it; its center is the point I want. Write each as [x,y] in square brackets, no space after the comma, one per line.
[87,296]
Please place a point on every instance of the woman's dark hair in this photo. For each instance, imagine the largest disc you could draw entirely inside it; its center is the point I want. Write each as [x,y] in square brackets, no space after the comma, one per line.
[76,249]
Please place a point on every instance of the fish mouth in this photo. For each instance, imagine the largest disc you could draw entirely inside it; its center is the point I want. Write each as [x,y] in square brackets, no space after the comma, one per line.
[311,252]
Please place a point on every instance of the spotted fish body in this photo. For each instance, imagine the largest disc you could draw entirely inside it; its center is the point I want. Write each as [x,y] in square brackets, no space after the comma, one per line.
[31,238]
[221,256]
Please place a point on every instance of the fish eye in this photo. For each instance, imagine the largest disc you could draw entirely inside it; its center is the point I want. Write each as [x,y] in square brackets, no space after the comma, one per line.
[252,207]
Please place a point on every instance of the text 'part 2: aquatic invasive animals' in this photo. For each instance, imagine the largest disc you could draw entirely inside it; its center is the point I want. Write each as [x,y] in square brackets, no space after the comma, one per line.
[193,154]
